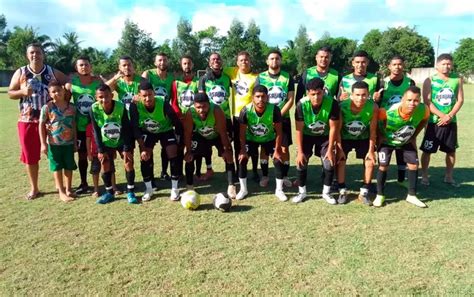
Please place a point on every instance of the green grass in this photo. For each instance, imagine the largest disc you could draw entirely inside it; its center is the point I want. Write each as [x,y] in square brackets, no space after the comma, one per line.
[262,247]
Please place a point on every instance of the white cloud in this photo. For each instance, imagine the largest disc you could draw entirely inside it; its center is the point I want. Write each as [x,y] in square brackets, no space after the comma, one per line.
[321,10]
[434,7]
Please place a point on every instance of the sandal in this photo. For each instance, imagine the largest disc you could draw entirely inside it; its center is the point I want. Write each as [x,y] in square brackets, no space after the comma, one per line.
[31,196]
[452,183]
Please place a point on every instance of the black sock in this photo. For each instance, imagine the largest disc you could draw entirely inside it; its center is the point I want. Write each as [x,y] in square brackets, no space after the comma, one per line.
[278,169]
[189,170]
[83,170]
[107,179]
[146,169]
[285,168]
[198,165]
[230,170]
[381,178]
[264,167]
[164,161]
[328,175]
[243,169]
[130,176]
[401,175]
[412,180]
[255,165]
[302,176]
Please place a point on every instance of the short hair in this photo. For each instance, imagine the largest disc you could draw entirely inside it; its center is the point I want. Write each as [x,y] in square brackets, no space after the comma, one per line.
[274,51]
[360,85]
[243,53]
[85,58]
[54,83]
[396,57]
[161,54]
[126,58]
[360,53]
[444,57]
[324,48]
[259,89]
[186,57]
[103,88]
[145,85]
[315,84]
[201,98]
[215,53]
[414,90]
[35,44]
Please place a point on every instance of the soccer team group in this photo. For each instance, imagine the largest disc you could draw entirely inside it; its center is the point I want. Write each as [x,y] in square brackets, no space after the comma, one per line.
[334,115]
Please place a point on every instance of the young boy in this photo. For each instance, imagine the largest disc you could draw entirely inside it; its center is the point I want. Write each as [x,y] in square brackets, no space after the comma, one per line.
[58,138]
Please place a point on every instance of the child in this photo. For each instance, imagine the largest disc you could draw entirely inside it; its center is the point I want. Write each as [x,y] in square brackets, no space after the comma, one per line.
[58,138]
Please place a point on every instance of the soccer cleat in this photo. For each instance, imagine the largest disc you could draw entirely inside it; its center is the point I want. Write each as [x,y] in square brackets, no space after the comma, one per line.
[287,182]
[365,200]
[131,198]
[298,198]
[147,195]
[207,176]
[329,199]
[165,176]
[379,200]
[264,181]
[82,189]
[231,192]
[281,195]
[154,185]
[105,198]
[241,195]
[342,199]
[174,195]
[334,187]
[415,201]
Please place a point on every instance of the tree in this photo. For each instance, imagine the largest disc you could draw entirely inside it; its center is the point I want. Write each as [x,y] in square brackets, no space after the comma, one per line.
[101,61]
[255,46]
[64,54]
[19,39]
[342,51]
[4,36]
[464,57]
[302,47]
[209,41]
[370,44]
[232,43]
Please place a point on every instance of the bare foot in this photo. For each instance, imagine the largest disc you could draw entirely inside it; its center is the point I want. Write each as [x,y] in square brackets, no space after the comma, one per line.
[95,194]
[65,198]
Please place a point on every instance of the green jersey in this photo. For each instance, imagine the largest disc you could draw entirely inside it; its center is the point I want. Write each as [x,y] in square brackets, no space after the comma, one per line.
[316,124]
[277,88]
[162,87]
[206,128]
[155,121]
[356,126]
[398,131]
[349,80]
[110,124]
[330,80]
[393,94]
[260,128]
[444,94]
[83,97]
[185,93]
[218,91]
[127,91]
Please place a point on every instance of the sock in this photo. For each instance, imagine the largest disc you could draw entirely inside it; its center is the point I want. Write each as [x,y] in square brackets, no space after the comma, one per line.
[285,168]
[174,184]
[107,178]
[279,184]
[302,176]
[326,189]
[83,171]
[302,189]
[264,166]
[243,184]
[381,178]
[130,176]
[189,169]
[230,171]
[148,186]
[412,180]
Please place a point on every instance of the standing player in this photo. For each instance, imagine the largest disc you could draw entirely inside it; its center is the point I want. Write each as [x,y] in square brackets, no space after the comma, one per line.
[322,70]
[29,85]
[82,86]
[444,94]
[161,80]
[358,132]
[152,119]
[281,89]
[112,133]
[394,86]
[243,81]
[205,127]
[399,125]
[317,126]
[217,85]
[260,126]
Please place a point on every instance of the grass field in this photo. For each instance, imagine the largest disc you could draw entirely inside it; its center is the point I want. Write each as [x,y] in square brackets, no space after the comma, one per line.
[262,247]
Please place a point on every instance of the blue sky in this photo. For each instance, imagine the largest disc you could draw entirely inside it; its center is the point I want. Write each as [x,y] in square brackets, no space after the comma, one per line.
[99,23]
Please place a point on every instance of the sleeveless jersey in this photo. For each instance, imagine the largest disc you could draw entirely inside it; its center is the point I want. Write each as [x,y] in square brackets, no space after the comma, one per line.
[356,126]
[83,98]
[185,93]
[260,128]
[110,124]
[206,128]
[316,124]
[162,87]
[370,79]
[277,88]
[127,91]
[242,87]
[330,80]
[393,94]
[155,121]
[444,94]
[218,91]
[398,131]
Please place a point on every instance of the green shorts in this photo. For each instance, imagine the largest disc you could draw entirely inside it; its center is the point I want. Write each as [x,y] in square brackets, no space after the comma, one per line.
[61,157]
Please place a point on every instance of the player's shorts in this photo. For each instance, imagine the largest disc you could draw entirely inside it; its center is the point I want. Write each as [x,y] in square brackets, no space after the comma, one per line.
[252,148]
[81,142]
[61,157]
[286,140]
[360,146]
[95,166]
[410,155]
[165,138]
[317,145]
[203,147]
[30,143]
[443,137]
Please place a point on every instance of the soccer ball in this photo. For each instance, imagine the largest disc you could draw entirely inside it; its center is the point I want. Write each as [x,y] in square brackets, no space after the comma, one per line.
[222,202]
[355,128]
[190,200]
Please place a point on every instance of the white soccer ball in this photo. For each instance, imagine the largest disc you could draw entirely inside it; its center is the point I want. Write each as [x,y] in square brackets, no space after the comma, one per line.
[355,128]
[276,95]
[445,97]
[84,103]
[112,130]
[160,91]
[190,200]
[222,202]
[217,94]
[317,127]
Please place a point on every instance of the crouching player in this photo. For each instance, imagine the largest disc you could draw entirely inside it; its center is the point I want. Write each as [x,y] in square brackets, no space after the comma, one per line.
[152,119]
[260,126]
[205,127]
[112,133]
[317,124]
[399,125]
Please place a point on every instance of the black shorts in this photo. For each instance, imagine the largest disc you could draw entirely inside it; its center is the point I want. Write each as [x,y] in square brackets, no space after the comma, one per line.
[317,145]
[203,147]
[286,140]
[81,142]
[410,154]
[95,166]
[360,146]
[252,148]
[443,137]
[166,138]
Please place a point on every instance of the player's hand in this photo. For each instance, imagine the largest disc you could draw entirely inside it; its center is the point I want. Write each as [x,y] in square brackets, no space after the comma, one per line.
[135,98]
[243,156]
[127,156]
[188,157]
[44,149]
[301,159]
[344,95]
[340,156]
[145,155]
[330,157]
[118,75]
[89,157]
[370,157]
[277,155]
[102,157]
[443,121]
[378,95]
[227,156]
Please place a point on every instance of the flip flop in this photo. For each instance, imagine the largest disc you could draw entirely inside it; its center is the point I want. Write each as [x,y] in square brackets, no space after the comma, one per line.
[31,196]
[452,183]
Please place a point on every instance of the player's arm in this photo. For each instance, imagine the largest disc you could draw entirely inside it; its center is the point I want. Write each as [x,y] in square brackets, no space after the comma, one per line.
[299,124]
[290,97]
[373,134]
[334,131]
[202,84]
[301,88]
[427,99]
[134,120]
[42,129]
[382,118]
[112,83]
[18,87]
[243,131]
[173,116]
[342,94]
[277,118]
[60,77]
[174,100]
[378,94]
[97,134]
[459,101]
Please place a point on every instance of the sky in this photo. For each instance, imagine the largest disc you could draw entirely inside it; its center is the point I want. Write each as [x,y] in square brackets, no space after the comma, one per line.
[99,23]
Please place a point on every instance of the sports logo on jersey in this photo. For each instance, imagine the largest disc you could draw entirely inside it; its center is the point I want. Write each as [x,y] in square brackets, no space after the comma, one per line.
[206,131]
[355,128]
[84,103]
[217,94]
[404,133]
[259,129]
[127,99]
[111,130]
[37,86]
[186,98]
[317,128]
[394,100]
[445,97]
[151,125]
[161,91]
[276,95]
[241,88]
[326,90]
